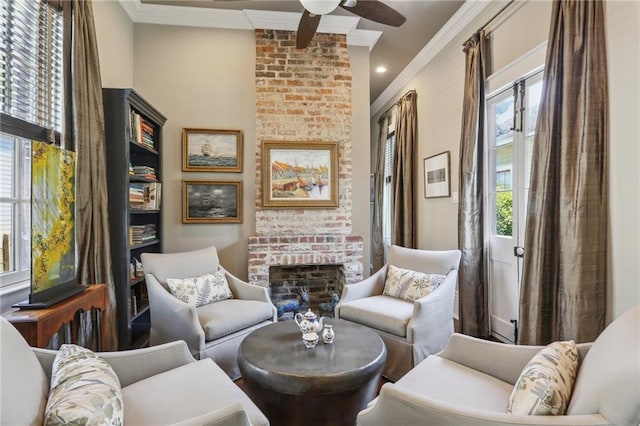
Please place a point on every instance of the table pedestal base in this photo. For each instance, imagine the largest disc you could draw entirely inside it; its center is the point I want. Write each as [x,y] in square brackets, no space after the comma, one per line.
[326,409]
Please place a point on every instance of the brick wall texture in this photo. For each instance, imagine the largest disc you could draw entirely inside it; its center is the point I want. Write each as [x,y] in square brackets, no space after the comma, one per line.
[304,95]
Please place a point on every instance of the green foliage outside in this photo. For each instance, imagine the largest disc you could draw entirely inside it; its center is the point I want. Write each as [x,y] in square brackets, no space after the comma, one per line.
[504,213]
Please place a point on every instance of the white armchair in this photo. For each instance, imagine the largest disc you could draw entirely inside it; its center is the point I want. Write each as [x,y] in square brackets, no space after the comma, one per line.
[410,330]
[160,385]
[211,331]
[471,380]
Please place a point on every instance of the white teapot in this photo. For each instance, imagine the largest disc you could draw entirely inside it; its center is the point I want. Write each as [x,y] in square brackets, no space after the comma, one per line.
[309,322]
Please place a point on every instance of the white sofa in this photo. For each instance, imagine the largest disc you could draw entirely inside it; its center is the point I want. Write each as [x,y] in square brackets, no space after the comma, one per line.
[161,385]
[470,381]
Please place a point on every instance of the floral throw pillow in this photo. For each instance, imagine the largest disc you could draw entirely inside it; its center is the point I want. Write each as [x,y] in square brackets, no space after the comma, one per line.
[545,384]
[201,290]
[84,390]
[410,285]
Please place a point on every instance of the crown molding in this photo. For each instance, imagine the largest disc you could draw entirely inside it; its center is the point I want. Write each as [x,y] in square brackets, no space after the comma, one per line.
[247,19]
[367,38]
[449,31]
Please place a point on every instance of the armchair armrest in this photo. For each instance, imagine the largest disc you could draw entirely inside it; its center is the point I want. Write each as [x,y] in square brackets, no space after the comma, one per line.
[246,291]
[232,415]
[133,365]
[500,360]
[431,323]
[372,286]
[397,405]
[172,319]
[138,364]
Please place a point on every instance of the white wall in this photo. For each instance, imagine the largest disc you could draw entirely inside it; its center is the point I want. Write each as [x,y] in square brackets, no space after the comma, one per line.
[440,85]
[114,33]
[360,149]
[200,78]
[623,60]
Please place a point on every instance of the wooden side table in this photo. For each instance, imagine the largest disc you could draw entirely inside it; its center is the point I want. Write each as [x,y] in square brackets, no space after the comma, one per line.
[37,326]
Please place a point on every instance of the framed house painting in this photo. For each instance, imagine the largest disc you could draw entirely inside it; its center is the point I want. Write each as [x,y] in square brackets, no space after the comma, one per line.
[211,201]
[299,174]
[437,176]
[209,150]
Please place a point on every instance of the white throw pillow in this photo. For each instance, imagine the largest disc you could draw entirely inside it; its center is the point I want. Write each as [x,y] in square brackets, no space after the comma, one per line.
[545,384]
[201,290]
[84,390]
[410,285]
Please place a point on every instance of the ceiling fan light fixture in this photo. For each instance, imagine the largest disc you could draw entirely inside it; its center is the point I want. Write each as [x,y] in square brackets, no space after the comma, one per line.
[320,7]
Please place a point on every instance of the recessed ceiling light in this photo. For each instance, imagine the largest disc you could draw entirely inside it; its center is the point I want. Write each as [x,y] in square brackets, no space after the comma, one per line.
[381,69]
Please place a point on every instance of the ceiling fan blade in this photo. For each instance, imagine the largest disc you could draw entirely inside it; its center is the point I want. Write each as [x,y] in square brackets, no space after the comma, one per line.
[376,11]
[307,29]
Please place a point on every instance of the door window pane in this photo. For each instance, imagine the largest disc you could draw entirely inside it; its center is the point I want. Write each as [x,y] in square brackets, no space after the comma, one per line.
[501,116]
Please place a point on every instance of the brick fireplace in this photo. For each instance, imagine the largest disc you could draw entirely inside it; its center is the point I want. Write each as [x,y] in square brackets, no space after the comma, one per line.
[304,95]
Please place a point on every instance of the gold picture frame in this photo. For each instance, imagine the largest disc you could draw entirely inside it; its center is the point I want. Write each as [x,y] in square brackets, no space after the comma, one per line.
[205,201]
[212,150]
[299,174]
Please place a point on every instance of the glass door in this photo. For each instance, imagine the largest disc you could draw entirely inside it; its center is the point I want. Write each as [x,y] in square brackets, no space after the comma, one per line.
[511,122]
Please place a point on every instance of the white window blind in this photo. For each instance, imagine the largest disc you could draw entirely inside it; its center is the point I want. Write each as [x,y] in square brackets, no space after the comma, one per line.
[31,81]
[31,62]
[387,192]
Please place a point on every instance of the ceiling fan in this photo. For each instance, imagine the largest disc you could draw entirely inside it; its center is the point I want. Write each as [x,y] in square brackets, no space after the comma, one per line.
[373,10]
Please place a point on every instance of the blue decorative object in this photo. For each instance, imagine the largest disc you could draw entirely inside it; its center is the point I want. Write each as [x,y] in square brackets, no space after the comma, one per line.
[329,307]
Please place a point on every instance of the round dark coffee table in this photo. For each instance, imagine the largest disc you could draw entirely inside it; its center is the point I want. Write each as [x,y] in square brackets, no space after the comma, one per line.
[325,385]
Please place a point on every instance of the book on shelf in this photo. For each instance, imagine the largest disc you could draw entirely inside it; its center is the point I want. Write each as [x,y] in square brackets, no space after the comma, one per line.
[144,172]
[136,194]
[140,130]
[140,234]
[146,196]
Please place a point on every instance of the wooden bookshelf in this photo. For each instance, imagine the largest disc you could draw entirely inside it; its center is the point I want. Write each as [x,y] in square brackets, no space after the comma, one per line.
[134,143]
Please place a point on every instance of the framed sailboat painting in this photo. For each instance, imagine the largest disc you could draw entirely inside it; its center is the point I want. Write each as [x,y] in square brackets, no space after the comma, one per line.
[210,150]
[211,201]
[299,174]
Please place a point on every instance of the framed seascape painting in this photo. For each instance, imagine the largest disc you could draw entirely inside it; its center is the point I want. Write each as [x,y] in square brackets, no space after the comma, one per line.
[299,174]
[211,201]
[209,150]
[437,176]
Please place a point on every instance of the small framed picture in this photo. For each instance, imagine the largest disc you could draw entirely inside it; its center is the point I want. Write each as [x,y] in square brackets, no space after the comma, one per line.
[211,201]
[210,150]
[437,176]
[299,174]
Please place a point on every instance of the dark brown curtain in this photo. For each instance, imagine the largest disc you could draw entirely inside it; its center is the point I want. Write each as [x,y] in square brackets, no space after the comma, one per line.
[376,227]
[472,275]
[404,232]
[84,132]
[565,265]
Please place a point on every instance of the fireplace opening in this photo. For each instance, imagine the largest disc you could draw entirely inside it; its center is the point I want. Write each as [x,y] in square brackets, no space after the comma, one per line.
[296,288]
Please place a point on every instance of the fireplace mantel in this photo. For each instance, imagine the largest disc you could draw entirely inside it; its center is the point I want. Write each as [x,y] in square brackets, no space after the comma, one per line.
[265,251]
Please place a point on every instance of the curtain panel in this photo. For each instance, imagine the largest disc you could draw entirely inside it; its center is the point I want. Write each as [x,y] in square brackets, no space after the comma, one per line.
[563,293]
[377,238]
[472,274]
[84,132]
[404,230]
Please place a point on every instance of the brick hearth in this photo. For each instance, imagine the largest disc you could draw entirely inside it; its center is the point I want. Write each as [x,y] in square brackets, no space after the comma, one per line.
[265,251]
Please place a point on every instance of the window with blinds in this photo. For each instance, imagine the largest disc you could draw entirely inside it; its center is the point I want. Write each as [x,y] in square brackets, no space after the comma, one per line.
[31,84]
[31,62]
[387,192]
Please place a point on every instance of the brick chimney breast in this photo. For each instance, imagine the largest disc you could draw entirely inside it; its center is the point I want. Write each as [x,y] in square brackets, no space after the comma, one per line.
[304,95]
